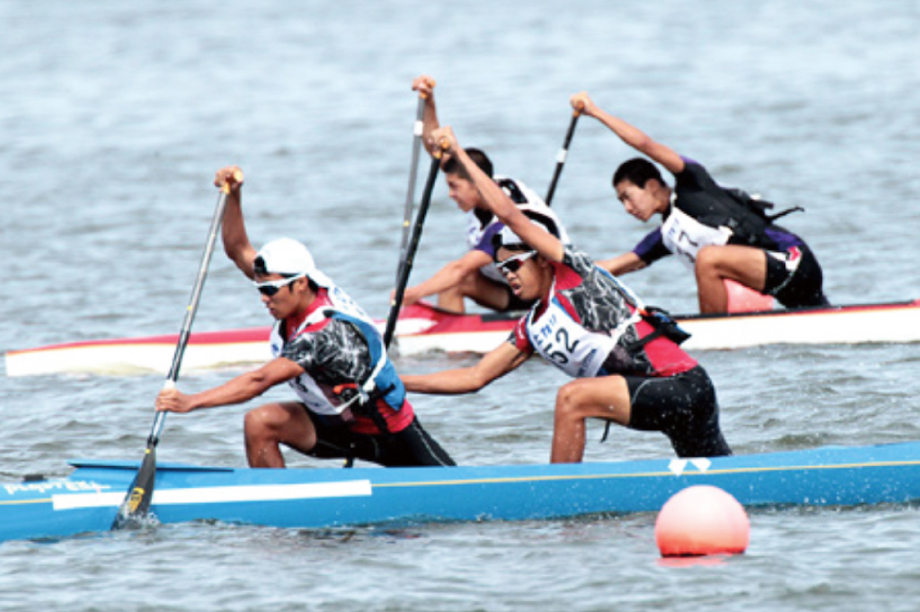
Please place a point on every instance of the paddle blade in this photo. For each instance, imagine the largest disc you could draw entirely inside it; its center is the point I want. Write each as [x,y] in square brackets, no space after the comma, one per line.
[134,509]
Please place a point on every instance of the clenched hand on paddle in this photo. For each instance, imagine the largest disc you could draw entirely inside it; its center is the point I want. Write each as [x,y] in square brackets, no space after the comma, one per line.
[140,493]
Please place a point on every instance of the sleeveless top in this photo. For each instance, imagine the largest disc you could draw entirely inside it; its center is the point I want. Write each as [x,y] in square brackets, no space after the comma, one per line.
[703,213]
[590,325]
[347,372]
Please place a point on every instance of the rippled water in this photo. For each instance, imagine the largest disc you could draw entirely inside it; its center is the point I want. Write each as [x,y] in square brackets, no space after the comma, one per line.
[113,118]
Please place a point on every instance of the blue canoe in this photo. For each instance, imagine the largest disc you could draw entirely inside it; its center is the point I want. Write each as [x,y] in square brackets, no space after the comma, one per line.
[89,498]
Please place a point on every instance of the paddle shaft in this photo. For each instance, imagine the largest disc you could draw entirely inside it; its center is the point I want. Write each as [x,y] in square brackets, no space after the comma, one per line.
[405,264]
[418,130]
[560,158]
[191,310]
[140,494]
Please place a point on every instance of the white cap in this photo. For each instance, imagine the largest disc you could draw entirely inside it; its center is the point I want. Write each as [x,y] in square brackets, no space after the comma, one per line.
[288,257]
[543,217]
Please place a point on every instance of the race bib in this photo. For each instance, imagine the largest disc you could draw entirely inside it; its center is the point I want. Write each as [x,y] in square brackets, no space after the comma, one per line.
[685,236]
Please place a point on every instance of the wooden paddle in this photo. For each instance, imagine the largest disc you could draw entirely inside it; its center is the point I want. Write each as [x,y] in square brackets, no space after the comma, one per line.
[418,130]
[137,500]
[563,153]
[408,255]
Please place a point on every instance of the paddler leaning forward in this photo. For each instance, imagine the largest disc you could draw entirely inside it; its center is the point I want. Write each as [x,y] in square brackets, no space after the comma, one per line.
[628,366]
[350,402]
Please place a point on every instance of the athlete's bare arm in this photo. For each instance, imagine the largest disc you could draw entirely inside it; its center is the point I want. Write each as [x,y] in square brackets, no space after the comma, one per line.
[236,241]
[236,391]
[497,201]
[630,134]
[448,277]
[494,364]
[424,85]
[622,264]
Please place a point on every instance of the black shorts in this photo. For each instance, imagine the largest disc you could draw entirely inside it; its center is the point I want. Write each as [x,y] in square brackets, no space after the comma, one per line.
[412,446]
[795,284]
[683,407]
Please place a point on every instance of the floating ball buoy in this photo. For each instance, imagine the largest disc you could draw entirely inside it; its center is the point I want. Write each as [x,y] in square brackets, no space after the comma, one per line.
[702,520]
[745,299]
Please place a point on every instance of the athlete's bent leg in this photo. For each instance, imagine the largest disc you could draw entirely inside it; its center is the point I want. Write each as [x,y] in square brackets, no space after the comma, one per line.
[482,290]
[605,398]
[714,264]
[452,300]
[270,425]
[476,287]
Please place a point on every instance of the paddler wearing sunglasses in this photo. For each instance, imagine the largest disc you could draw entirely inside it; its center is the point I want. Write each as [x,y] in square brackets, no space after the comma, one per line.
[350,401]
[625,359]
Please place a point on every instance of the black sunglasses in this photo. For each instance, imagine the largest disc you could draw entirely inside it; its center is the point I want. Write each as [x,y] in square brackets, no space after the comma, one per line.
[514,263]
[270,288]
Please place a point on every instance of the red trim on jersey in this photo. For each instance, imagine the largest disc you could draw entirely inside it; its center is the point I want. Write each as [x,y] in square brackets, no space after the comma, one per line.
[397,420]
[292,323]
[566,277]
[666,358]
[521,340]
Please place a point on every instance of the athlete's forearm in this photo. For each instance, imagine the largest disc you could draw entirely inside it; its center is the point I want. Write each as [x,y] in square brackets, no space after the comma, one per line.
[493,197]
[628,133]
[234,236]
[450,382]
[236,391]
[249,385]
[429,123]
[501,360]
[622,264]
[642,142]
[446,278]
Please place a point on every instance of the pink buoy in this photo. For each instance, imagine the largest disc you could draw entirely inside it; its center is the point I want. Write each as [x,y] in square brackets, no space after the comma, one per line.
[745,299]
[702,520]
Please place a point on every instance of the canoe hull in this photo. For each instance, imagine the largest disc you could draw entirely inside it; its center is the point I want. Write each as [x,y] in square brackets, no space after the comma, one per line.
[423,328]
[896,322]
[88,500]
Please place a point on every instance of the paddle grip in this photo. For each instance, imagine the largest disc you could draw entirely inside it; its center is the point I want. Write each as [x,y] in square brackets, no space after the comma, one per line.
[431,84]
[443,146]
[237,176]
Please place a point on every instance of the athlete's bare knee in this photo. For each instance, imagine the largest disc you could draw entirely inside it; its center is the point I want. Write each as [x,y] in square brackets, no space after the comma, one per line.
[708,260]
[467,284]
[266,420]
[569,400]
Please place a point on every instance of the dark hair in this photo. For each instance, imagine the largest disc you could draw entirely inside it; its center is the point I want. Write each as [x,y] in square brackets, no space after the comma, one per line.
[637,171]
[450,165]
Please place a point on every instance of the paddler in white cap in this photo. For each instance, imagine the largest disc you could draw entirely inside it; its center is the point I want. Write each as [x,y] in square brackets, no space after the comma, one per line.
[350,402]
